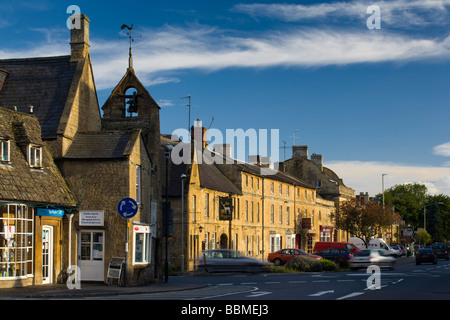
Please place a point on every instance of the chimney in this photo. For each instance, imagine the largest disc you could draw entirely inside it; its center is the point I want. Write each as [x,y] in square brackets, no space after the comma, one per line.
[224,149]
[79,37]
[259,161]
[3,75]
[300,152]
[317,159]
[199,134]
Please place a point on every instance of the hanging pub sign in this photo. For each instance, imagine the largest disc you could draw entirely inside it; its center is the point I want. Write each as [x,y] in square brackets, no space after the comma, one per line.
[225,208]
[306,223]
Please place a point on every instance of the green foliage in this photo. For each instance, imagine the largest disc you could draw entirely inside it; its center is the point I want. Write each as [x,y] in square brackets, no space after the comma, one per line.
[304,264]
[328,265]
[423,237]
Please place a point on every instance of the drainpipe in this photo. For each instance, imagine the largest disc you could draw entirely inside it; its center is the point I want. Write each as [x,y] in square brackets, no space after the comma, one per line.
[70,216]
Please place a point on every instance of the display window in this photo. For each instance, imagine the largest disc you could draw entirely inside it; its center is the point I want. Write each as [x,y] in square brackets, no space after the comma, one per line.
[142,245]
[16,241]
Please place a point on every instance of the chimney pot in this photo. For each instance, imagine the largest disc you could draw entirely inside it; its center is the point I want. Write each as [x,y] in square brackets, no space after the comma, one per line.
[300,152]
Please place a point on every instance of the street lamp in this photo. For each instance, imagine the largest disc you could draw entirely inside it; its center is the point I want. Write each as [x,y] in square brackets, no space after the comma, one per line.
[166,211]
[425,213]
[183,176]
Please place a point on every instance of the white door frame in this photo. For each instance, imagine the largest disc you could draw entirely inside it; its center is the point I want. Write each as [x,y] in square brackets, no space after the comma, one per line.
[47,254]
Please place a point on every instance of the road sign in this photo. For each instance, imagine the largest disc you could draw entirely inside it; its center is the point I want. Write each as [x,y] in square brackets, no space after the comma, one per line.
[127,208]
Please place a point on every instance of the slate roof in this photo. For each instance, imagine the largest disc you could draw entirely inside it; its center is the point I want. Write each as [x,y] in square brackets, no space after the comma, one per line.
[43,83]
[100,145]
[19,182]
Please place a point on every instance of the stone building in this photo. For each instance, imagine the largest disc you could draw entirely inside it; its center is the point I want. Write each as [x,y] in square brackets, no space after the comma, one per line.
[327,183]
[33,200]
[271,209]
[102,160]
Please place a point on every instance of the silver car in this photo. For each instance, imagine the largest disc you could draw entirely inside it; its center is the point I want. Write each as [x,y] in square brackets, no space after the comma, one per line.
[368,257]
[225,260]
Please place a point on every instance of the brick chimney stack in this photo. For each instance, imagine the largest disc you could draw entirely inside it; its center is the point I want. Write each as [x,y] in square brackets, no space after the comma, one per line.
[79,37]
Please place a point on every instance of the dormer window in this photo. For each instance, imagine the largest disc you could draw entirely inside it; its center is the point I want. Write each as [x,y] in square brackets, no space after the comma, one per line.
[35,156]
[5,150]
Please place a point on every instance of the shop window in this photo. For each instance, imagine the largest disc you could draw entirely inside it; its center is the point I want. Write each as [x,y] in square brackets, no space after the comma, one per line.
[16,241]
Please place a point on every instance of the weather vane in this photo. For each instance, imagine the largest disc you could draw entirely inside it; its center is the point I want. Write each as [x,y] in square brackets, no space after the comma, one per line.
[130,59]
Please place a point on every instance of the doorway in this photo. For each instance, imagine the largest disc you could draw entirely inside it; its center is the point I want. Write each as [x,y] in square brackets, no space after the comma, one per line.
[47,254]
[91,255]
[223,241]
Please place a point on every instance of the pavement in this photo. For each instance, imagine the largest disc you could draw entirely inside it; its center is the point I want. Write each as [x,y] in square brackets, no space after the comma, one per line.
[61,291]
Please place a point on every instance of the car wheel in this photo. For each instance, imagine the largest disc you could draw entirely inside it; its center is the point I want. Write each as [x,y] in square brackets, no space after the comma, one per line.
[277,262]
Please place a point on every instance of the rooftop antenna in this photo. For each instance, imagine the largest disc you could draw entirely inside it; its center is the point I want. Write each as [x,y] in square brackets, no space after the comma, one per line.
[284,147]
[188,105]
[130,58]
[212,120]
[293,136]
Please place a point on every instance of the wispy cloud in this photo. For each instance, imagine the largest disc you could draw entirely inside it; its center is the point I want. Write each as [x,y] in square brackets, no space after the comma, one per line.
[366,176]
[397,13]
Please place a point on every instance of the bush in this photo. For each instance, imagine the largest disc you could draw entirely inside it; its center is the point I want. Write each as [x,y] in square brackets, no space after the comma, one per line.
[328,265]
[305,264]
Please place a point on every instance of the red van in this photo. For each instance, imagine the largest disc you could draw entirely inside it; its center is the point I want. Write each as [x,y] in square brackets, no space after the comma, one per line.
[322,245]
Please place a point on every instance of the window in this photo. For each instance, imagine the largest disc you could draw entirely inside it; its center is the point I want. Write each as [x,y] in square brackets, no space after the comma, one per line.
[288,215]
[194,206]
[318,183]
[138,184]
[246,181]
[272,186]
[272,214]
[281,215]
[280,189]
[35,156]
[16,245]
[207,205]
[4,150]
[246,210]
[257,212]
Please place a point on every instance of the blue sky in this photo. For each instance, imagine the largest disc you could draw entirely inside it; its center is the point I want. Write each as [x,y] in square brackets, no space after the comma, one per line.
[371,101]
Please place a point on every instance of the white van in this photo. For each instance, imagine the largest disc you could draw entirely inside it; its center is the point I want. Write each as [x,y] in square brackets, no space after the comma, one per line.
[357,242]
[378,243]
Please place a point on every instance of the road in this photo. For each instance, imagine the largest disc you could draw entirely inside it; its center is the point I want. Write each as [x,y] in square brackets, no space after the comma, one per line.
[406,282]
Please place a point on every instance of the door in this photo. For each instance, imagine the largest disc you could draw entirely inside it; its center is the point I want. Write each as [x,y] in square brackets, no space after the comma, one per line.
[47,254]
[91,255]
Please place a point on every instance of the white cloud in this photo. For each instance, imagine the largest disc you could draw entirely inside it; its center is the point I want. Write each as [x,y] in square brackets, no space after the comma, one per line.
[442,149]
[367,176]
[399,13]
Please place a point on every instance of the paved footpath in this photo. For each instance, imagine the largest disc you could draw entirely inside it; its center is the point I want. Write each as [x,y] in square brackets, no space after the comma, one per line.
[88,290]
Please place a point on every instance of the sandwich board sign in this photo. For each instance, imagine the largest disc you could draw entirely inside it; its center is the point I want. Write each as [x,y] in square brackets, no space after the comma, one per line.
[127,208]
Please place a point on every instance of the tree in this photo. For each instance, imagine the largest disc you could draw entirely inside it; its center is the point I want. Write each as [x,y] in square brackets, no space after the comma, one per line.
[363,220]
[438,217]
[422,237]
[408,200]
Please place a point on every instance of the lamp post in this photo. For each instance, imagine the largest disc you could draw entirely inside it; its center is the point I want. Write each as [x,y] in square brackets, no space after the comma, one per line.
[183,176]
[425,213]
[166,210]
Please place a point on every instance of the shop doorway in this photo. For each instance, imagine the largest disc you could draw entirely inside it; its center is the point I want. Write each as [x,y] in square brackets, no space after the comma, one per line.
[91,255]
[223,241]
[47,254]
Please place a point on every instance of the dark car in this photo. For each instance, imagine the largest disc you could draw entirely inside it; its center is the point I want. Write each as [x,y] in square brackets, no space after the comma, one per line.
[282,256]
[225,260]
[426,255]
[440,249]
[337,255]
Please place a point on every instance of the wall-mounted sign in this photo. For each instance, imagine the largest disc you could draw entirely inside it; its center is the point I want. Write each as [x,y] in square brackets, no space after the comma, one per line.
[225,208]
[50,212]
[91,218]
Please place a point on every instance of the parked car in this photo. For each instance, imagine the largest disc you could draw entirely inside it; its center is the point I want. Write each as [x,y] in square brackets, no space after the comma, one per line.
[440,249]
[400,249]
[225,260]
[379,257]
[319,246]
[426,255]
[337,255]
[282,256]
